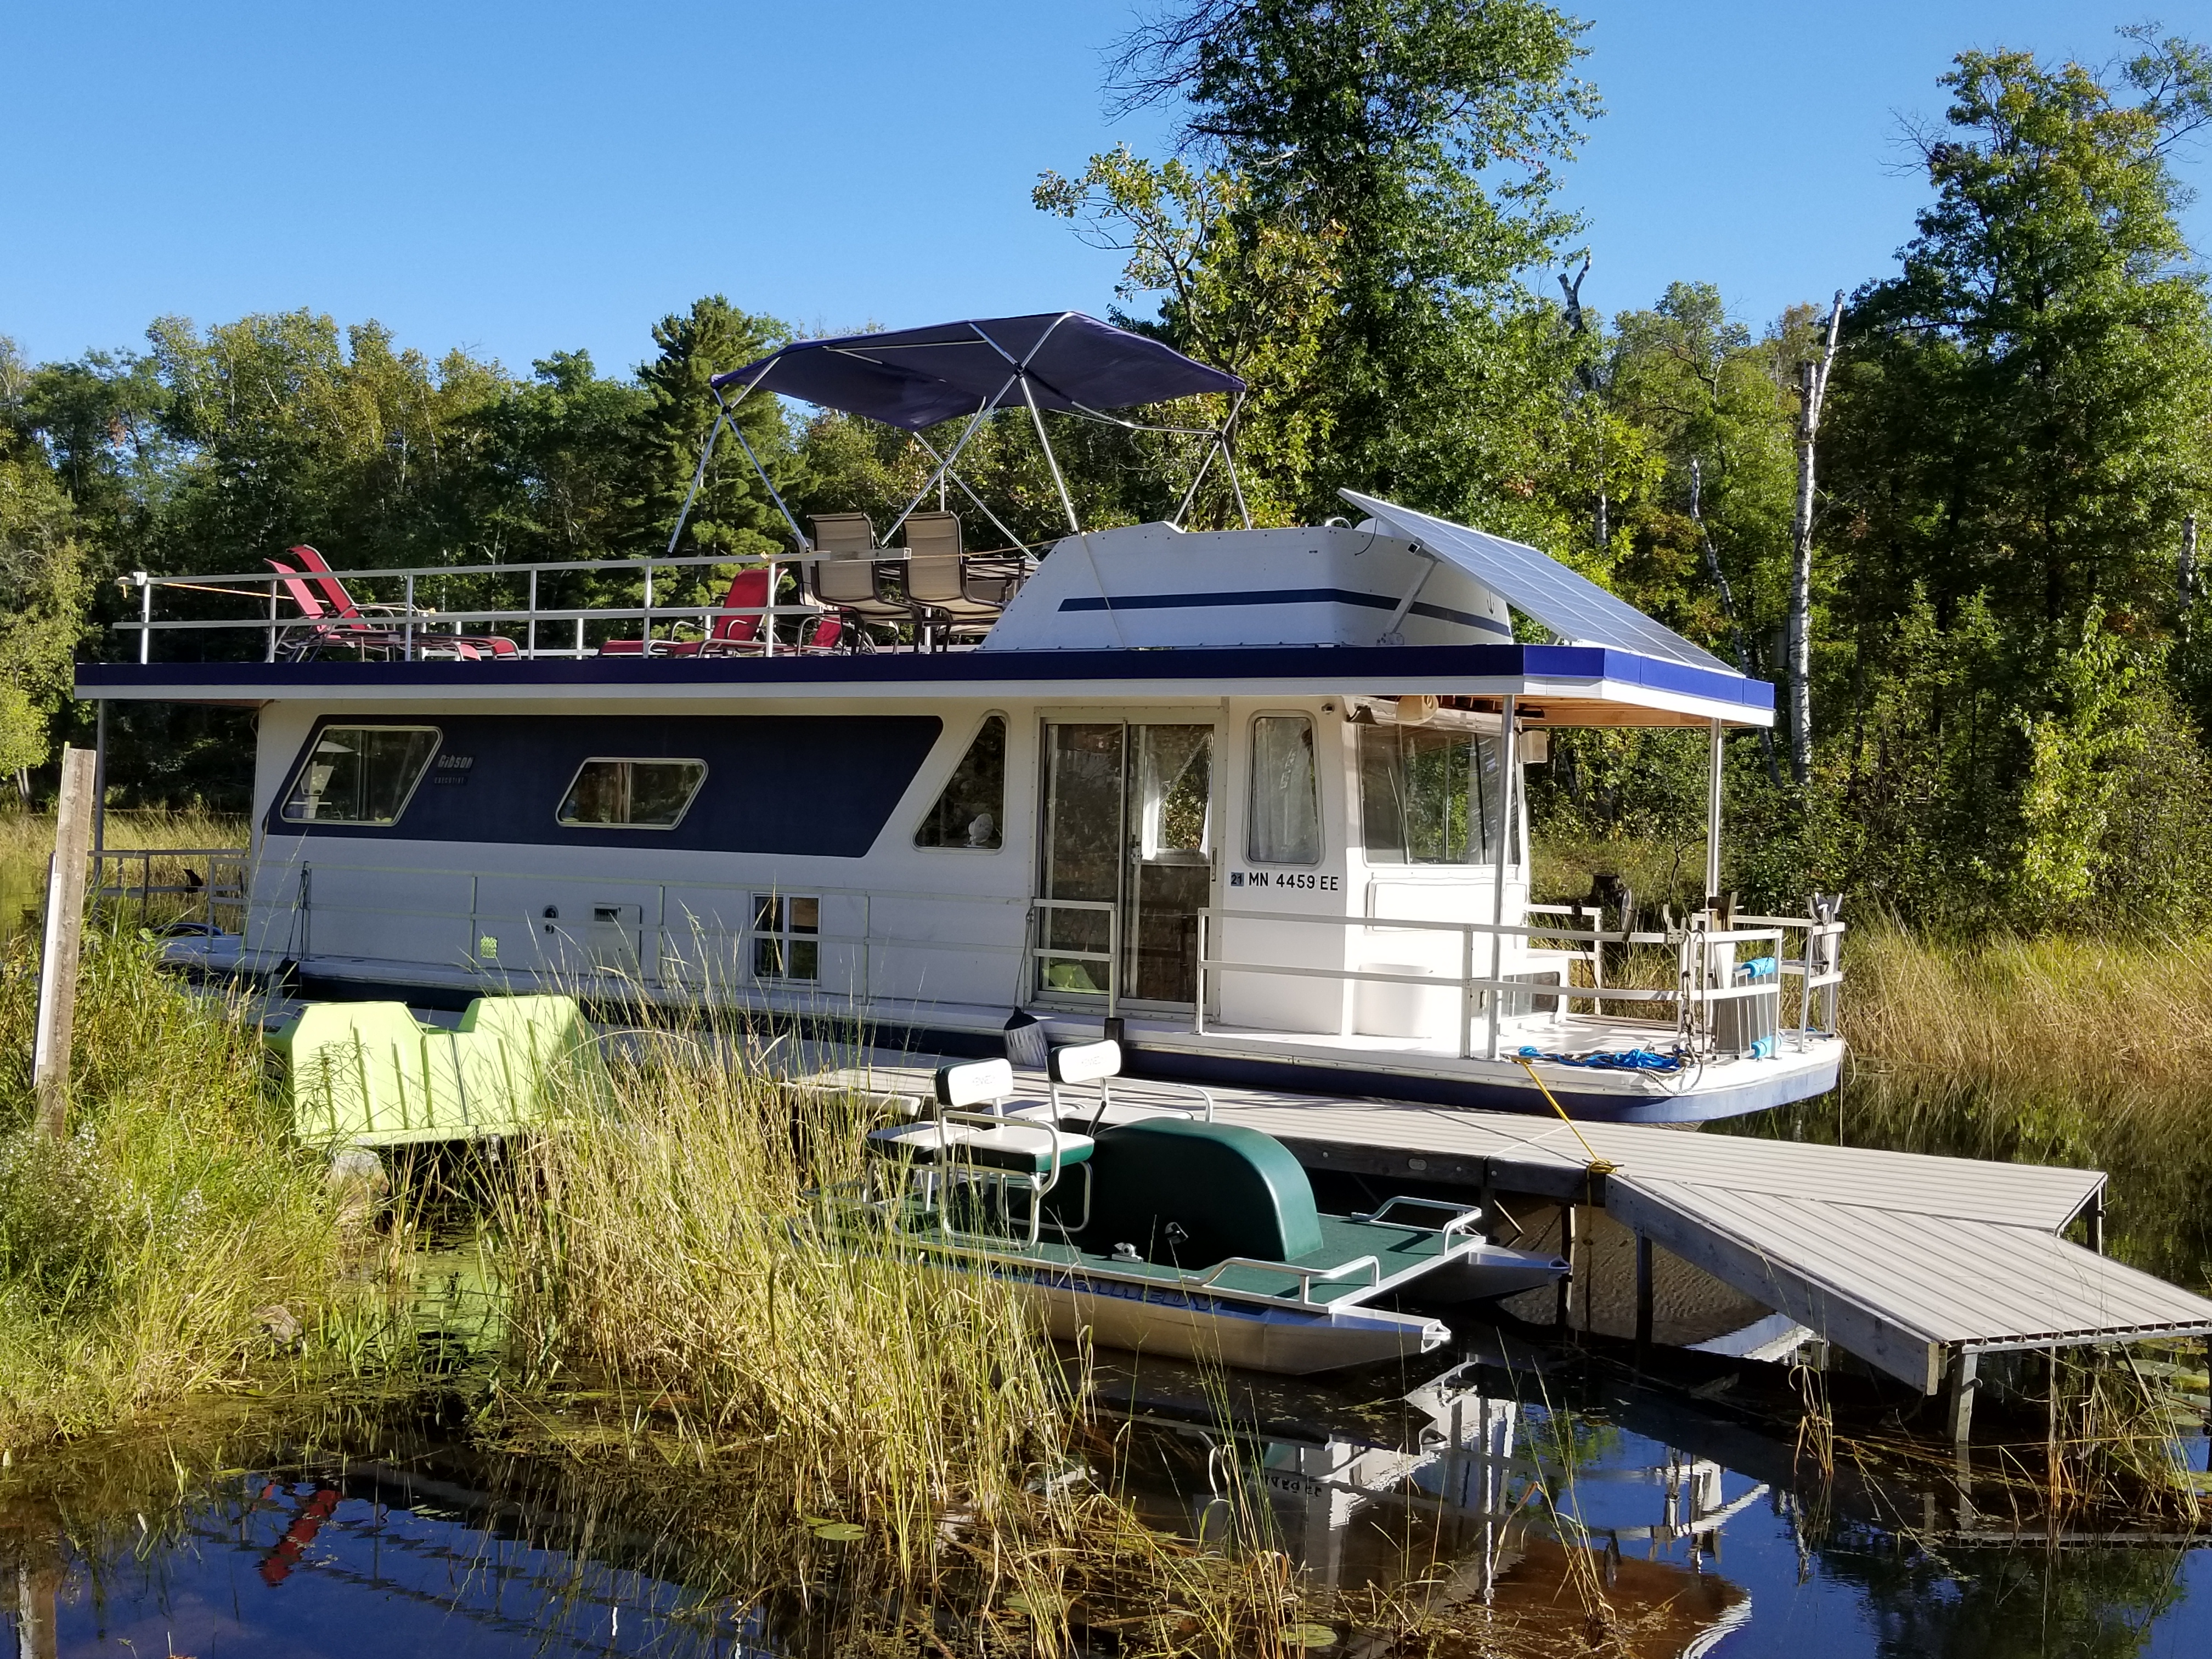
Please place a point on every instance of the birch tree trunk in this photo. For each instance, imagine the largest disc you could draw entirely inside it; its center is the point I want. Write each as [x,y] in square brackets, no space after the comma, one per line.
[1814,385]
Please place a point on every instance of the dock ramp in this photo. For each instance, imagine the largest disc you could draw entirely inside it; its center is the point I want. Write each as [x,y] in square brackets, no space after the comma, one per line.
[1906,1290]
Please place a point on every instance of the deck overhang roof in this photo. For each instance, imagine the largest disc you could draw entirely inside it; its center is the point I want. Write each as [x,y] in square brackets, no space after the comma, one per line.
[1556,685]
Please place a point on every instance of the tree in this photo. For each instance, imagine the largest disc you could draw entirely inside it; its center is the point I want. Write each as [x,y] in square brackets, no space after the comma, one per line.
[2025,405]
[1250,295]
[554,462]
[732,512]
[2021,424]
[41,581]
[1419,140]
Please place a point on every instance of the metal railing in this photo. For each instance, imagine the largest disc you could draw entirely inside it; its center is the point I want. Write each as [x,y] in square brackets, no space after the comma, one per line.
[195,900]
[1110,957]
[1705,970]
[430,630]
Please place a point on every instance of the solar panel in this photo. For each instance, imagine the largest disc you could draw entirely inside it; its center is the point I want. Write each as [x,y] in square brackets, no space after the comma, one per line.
[1573,607]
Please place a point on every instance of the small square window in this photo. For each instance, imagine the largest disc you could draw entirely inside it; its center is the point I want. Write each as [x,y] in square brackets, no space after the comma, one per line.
[785,945]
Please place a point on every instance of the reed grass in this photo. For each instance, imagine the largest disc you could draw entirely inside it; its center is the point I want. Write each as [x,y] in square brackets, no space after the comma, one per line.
[139,1256]
[2127,1021]
[669,1248]
[27,842]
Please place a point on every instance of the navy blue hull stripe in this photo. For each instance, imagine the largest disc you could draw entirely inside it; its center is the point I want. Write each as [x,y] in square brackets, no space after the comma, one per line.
[905,673]
[1284,596]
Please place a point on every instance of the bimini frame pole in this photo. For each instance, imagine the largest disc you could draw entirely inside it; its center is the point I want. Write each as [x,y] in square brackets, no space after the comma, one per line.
[724,415]
[967,489]
[1066,501]
[945,466]
[1220,443]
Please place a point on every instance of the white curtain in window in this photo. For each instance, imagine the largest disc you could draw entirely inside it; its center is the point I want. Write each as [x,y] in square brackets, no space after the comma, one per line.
[1285,820]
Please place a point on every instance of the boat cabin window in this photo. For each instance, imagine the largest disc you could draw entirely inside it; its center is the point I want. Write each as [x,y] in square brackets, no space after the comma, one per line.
[361,774]
[1428,796]
[631,795]
[1284,824]
[785,942]
[972,810]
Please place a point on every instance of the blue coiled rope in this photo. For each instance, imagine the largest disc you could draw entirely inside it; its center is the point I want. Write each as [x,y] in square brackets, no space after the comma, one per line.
[1618,1059]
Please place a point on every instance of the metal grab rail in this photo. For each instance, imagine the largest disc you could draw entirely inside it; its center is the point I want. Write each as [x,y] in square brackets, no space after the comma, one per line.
[1697,963]
[1111,957]
[1307,1277]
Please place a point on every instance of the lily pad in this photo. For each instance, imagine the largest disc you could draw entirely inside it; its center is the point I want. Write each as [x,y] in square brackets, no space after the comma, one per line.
[1309,1636]
[840,1532]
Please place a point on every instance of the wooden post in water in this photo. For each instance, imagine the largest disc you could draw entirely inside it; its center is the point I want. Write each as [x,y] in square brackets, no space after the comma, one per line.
[1643,1297]
[50,1050]
[1566,1293]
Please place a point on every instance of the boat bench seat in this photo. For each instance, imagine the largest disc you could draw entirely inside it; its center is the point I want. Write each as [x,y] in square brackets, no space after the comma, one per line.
[1023,1147]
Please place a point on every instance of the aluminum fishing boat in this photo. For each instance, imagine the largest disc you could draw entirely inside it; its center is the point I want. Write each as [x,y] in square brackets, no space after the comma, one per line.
[1249,799]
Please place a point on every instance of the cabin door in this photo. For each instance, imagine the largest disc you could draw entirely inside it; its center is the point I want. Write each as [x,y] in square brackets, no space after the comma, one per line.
[1129,860]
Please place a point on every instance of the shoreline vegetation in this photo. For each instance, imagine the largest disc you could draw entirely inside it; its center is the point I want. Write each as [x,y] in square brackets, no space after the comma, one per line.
[637,1298]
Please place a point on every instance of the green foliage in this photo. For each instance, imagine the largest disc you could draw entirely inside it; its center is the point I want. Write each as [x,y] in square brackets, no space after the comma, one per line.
[41,579]
[136,1256]
[732,513]
[1403,152]
[1243,291]
[2022,410]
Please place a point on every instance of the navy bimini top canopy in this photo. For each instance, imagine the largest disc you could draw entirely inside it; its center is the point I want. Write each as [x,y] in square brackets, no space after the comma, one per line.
[915,377]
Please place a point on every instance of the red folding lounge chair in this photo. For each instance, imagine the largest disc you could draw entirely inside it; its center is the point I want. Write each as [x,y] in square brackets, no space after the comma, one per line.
[737,627]
[321,628]
[468,645]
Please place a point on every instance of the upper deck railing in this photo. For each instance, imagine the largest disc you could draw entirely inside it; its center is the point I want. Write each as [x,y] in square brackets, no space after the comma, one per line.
[511,601]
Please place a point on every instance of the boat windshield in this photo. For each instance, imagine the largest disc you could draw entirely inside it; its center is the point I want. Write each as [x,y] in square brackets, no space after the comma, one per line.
[1429,796]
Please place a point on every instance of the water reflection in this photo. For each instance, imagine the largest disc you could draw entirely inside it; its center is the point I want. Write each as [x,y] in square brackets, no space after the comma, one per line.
[1533,1505]
[348,1560]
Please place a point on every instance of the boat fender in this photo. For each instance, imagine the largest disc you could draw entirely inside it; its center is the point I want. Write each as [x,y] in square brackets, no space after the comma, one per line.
[1026,1046]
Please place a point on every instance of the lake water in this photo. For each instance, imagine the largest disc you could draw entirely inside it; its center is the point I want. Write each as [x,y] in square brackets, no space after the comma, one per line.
[1524,1485]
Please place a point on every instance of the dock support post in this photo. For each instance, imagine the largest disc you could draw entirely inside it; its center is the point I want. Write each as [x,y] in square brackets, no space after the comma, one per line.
[2093,1218]
[1567,1279]
[1508,828]
[1960,1399]
[1643,1297]
[1716,760]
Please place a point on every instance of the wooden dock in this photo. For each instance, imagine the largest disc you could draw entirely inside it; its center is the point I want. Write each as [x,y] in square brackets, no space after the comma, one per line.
[1916,1265]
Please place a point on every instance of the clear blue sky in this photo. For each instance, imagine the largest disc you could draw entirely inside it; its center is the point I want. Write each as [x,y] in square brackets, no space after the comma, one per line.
[518,178]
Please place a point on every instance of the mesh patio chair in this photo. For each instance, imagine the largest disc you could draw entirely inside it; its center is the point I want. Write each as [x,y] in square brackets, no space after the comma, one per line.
[848,577]
[942,583]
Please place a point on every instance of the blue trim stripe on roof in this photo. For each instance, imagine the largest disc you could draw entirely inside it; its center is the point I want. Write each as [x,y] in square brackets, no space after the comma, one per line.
[1347,666]
[1281,596]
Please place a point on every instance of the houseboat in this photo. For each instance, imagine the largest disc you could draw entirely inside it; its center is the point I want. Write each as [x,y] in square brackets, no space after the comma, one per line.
[1250,800]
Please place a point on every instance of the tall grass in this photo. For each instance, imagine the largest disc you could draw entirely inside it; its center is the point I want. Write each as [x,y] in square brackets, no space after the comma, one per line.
[2093,1052]
[2128,1021]
[26,840]
[139,1256]
[665,1248]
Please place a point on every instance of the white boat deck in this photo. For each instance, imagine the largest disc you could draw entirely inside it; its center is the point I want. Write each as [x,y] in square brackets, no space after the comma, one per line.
[1912,1262]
